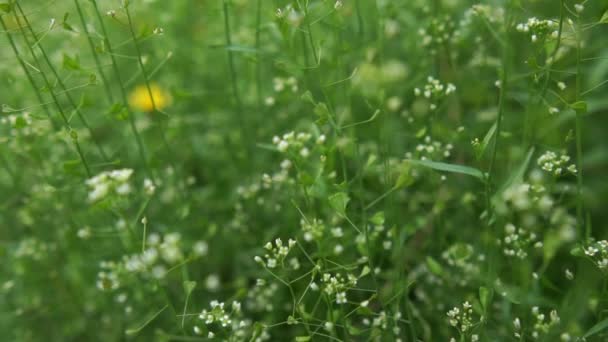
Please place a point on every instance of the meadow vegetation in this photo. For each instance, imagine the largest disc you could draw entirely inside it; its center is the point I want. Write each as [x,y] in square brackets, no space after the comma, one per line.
[303,170]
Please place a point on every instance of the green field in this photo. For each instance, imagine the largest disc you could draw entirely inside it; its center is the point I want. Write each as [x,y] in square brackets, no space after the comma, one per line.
[304,170]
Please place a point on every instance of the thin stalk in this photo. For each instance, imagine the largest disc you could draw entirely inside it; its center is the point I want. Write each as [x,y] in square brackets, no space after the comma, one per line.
[123,92]
[94,52]
[554,53]
[501,104]
[48,85]
[234,80]
[29,76]
[139,58]
[59,80]
[579,137]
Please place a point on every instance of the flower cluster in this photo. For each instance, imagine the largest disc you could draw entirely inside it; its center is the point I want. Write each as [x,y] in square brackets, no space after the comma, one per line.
[538,29]
[107,182]
[33,248]
[161,252]
[296,142]
[517,241]
[462,258]
[598,252]
[260,297]
[280,84]
[337,285]
[435,91]
[289,15]
[461,318]
[217,313]
[543,323]
[431,149]
[277,255]
[556,164]
[218,316]
[313,230]
[437,33]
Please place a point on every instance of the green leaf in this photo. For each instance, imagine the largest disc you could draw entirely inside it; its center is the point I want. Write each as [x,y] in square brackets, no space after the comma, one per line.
[604,18]
[72,167]
[71,63]
[307,97]
[65,24]
[302,338]
[434,266]
[354,330]
[580,107]
[486,141]
[365,271]
[134,331]
[485,296]
[518,175]
[405,178]
[5,7]
[189,287]
[378,218]
[339,201]
[602,325]
[421,132]
[454,168]
[577,251]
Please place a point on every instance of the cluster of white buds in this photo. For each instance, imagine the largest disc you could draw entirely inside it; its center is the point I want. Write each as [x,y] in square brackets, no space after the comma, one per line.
[523,196]
[461,256]
[260,297]
[296,142]
[431,149]
[313,230]
[543,323]
[538,29]
[108,277]
[435,91]
[280,84]
[517,241]
[337,285]
[290,15]
[107,281]
[20,124]
[33,248]
[556,164]
[217,314]
[598,252]
[493,14]
[278,252]
[461,318]
[438,32]
[107,182]
[149,187]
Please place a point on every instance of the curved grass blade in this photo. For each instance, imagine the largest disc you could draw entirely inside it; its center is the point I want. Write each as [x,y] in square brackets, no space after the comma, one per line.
[454,168]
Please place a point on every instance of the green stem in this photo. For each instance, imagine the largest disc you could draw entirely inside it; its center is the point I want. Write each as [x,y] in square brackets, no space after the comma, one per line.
[234,81]
[579,137]
[29,77]
[48,85]
[59,80]
[123,92]
[501,104]
[94,52]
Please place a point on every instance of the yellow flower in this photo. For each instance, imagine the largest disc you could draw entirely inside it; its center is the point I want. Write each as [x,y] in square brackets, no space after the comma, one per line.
[140,98]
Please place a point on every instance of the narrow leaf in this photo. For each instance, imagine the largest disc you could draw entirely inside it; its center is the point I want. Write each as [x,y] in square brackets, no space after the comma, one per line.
[602,325]
[134,331]
[486,141]
[434,266]
[485,296]
[454,168]
[339,201]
